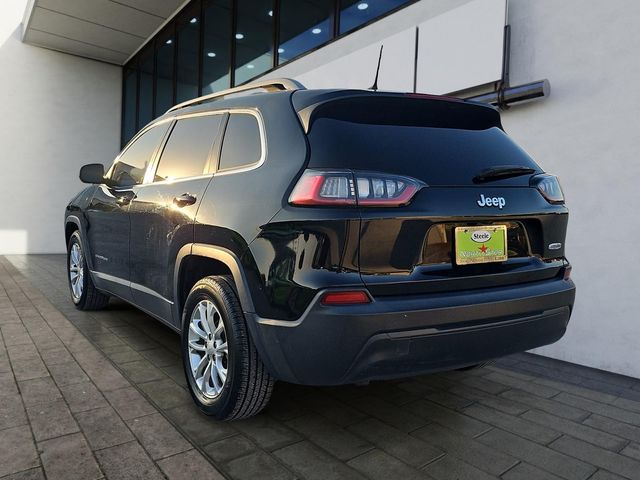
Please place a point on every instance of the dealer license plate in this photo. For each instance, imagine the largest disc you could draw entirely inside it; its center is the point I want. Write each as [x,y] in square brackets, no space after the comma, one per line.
[481,244]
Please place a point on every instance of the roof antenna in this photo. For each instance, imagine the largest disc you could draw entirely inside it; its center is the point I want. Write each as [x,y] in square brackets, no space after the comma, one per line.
[374,87]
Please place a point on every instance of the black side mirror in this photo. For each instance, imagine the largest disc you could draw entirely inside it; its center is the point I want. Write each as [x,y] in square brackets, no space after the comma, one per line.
[92,173]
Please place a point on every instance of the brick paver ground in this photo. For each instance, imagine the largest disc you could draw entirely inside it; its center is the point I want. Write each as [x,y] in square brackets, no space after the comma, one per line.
[86,395]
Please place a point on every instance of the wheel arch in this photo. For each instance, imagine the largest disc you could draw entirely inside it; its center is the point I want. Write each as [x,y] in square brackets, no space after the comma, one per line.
[71,224]
[200,260]
[232,264]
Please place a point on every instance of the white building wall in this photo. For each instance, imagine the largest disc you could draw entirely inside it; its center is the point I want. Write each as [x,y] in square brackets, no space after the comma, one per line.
[59,112]
[587,132]
[351,61]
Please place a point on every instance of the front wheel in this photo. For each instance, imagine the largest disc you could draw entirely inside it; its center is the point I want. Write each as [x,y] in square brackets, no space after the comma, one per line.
[226,377]
[84,294]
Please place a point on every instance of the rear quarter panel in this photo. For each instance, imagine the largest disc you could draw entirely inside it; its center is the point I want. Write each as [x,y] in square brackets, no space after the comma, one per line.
[237,206]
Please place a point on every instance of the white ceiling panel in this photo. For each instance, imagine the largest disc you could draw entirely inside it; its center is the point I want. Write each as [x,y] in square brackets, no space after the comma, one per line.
[61,44]
[162,8]
[108,13]
[106,30]
[92,33]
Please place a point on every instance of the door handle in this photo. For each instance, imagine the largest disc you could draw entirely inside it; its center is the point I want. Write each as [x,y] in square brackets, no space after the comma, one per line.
[124,198]
[184,200]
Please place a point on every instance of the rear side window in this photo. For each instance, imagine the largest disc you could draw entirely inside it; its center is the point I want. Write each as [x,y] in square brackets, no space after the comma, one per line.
[131,166]
[242,145]
[187,151]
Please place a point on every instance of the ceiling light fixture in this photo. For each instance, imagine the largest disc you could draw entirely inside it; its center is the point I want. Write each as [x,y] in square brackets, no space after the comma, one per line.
[316,31]
[239,36]
[211,54]
[363,6]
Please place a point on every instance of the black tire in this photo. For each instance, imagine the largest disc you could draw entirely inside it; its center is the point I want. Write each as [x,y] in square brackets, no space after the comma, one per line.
[248,385]
[90,298]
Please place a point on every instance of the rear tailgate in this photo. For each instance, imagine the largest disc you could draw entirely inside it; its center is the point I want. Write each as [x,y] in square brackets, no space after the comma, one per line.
[410,249]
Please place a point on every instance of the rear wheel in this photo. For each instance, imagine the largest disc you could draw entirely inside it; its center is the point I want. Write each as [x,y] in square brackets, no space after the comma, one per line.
[225,375]
[84,294]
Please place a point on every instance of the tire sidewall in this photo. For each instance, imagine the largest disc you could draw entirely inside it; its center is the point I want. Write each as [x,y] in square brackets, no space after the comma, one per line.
[220,405]
[75,238]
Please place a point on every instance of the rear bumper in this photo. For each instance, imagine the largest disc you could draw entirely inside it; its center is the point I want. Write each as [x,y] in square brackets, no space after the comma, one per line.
[408,335]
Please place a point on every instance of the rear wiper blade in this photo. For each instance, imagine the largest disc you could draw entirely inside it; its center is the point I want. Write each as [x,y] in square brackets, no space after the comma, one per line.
[502,171]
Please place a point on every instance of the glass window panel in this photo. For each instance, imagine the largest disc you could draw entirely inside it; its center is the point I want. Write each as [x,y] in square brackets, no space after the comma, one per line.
[216,55]
[145,95]
[241,144]
[132,164]
[254,39]
[129,104]
[164,74]
[188,36]
[304,25]
[354,13]
[188,147]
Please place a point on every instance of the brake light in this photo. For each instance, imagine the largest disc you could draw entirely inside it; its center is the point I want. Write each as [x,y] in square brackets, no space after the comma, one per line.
[345,187]
[345,298]
[549,187]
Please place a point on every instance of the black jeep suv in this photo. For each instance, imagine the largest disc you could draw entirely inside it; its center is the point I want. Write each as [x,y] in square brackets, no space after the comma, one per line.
[324,237]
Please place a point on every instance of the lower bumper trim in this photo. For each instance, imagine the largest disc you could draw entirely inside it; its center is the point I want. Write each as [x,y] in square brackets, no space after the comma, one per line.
[396,354]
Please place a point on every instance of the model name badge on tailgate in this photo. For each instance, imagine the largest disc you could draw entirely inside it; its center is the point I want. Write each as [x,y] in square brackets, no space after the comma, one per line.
[491,201]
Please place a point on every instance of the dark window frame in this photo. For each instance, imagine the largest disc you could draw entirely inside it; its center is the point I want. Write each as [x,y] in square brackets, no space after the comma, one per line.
[231,45]
[199,6]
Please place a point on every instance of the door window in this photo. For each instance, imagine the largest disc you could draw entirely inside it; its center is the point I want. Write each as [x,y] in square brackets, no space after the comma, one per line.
[242,145]
[187,151]
[130,168]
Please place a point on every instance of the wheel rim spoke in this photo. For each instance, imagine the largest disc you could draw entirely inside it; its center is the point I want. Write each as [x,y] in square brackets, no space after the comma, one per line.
[197,371]
[76,271]
[193,327]
[222,372]
[208,349]
[222,348]
[204,385]
[197,346]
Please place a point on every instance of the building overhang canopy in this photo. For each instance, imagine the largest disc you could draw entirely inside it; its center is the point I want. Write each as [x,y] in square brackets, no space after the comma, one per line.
[106,30]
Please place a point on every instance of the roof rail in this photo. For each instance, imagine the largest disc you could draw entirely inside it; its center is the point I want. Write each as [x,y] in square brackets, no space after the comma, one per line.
[271,85]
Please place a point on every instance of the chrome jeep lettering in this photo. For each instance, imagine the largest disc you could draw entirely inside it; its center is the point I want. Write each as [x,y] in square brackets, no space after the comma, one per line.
[499,202]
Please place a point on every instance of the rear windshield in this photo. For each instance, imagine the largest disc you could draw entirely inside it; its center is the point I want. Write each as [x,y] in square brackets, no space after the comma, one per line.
[396,142]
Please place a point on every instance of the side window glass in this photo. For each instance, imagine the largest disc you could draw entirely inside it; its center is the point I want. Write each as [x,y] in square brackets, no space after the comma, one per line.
[241,146]
[187,150]
[131,166]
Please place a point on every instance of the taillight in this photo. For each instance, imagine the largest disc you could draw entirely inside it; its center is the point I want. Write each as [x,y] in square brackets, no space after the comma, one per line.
[345,298]
[345,187]
[549,187]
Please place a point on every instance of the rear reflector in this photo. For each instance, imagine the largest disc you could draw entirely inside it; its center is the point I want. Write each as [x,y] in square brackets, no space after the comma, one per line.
[345,187]
[345,298]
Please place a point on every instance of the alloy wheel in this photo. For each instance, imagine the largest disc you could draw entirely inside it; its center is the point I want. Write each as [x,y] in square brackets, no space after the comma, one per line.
[208,350]
[76,271]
